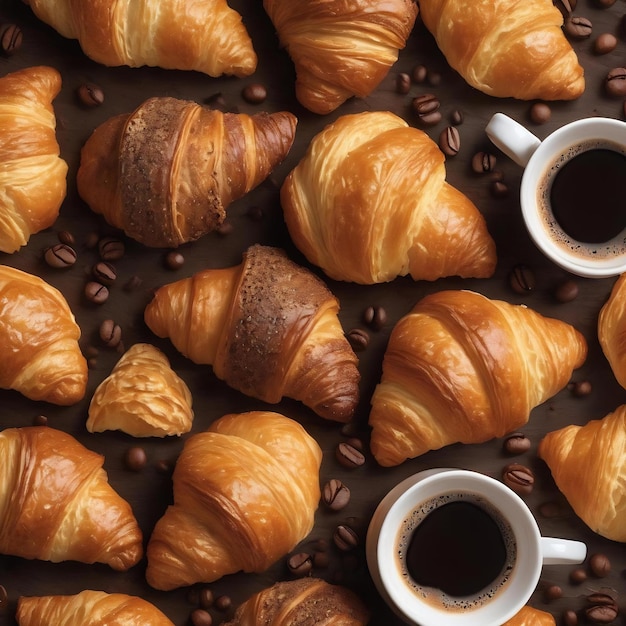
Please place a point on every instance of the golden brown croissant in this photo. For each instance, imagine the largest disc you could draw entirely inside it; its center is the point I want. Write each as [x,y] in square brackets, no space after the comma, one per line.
[341,48]
[268,327]
[204,35]
[142,397]
[39,340]
[32,174]
[463,368]
[588,464]
[56,503]
[528,616]
[303,601]
[245,493]
[166,172]
[507,49]
[612,330]
[89,608]
[369,202]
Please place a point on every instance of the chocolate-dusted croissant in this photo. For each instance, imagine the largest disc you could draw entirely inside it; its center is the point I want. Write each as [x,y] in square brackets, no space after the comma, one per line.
[95,608]
[369,202]
[39,340]
[245,494]
[56,503]
[303,601]
[341,49]
[203,35]
[269,328]
[461,367]
[612,330]
[165,173]
[529,616]
[32,174]
[588,464]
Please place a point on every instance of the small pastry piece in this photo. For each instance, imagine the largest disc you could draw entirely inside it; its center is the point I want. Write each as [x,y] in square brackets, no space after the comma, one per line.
[39,341]
[528,616]
[89,608]
[56,503]
[32,174]
[165,173]
[507,49]
[369,202]
[463,368]
[303,601]
[268,327]
[612,330]
[142,397]
[204,35]
[341,49]
[245,494]
[588,464]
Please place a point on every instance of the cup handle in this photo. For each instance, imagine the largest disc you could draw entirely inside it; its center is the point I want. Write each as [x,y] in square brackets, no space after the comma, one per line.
[562,551]
[512,138]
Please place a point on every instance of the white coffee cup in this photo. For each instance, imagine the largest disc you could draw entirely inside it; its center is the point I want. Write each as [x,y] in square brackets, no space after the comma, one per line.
[539,158]
[414,604]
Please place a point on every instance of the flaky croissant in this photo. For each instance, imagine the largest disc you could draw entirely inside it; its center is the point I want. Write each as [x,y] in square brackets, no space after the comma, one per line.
[32,174]
[369,202]
[529,616]
[612,330]
[89,608]
[56,503]
[39,340]
[166,172]
[269,328]
[507,49]
[142,397]
[341,48]
[303,601]
[204,35]
[588,464]
[245,493]
[463,368]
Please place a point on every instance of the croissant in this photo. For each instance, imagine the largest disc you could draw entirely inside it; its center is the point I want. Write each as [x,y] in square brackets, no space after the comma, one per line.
[56,503]
[612,330]
[507,49]
[95,608]
[369,202]
[528,616]
[142,397]
[588,464]
[268,327]
[39,341]
[205,35]
[341,49]
[165,173]
[463,368]
[302,601]
[245,493]
[32,174]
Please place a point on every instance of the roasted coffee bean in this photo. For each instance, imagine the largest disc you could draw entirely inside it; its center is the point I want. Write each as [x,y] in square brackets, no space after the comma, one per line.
[133,283]
[419,74]
[135,458]
[104,273]
[550,509]
[163,466]
[111,249]
[433,78]
[540,113]
[223,603]
[345,538]
[483,162]
[90,95]
[517,443]
[604,4]
[519,478]
[522,279]
[602,608]
[254,93]
[615,82]
[335,495]
[216,101]
[599,565]
[570,618]
[225,228]
[567,291]
[10,38]
[499,189]
[96,292]
[581,388]
[553,592]
[576,27]
[66,237]
[403,83]
[349,456]
[578,576]
[605,43]
[174,260]
[300,564]
[110,333]
[456,117]
[358,339]
[450,141]
[426,107]
[40,420]
[206,598]
[200,617]
[565,6]
[60,256]
[375,317]
[4,599]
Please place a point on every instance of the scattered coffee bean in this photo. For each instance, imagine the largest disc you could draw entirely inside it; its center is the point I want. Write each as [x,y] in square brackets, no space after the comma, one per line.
[200,617]
[433,78]
[163,466]
[10,38]
[40,420]
[578,576]
[450,141]
[419,74]
[522,279]
[517,443]
[553,592]
[349,456]
[567,291]
[576,27]
[615,82]
[300,564]
[345,538]
[499,189]
[90,95]
[570,618]
[216,101]
[66,237]
[104,273]
[540,113]
[223,603]
[375,317]
[225,228]
[519,478]
[426,107]
[91,352]
[60,256]
[133,283]
[550,509]
[206,598]
[599,565]
[602,608]
[605,43]
[403,83]
[604,4]
[565,6]
[335,495]
[456,117]
[110,333]
[96,292]
[483,162]
[91,240]
[111,249]
[174,260]
[358,339]
[254,93]
[581,388]
[135,458]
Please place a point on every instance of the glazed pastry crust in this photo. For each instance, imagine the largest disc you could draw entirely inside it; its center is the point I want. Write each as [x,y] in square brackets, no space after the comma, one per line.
[529,616]
[612,330]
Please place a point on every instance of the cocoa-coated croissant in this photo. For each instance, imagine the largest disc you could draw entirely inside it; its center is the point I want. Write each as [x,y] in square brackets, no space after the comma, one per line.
[39,340]
[32,174]
[142,397]
[529,616]
[463,368]
[588,464]
[340,48]
[369,202]
[203,35]
[507,49]
[166,172]
[89,608]
[269,328]
[304,601]
[612,330]
[56,503]
[245,493]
